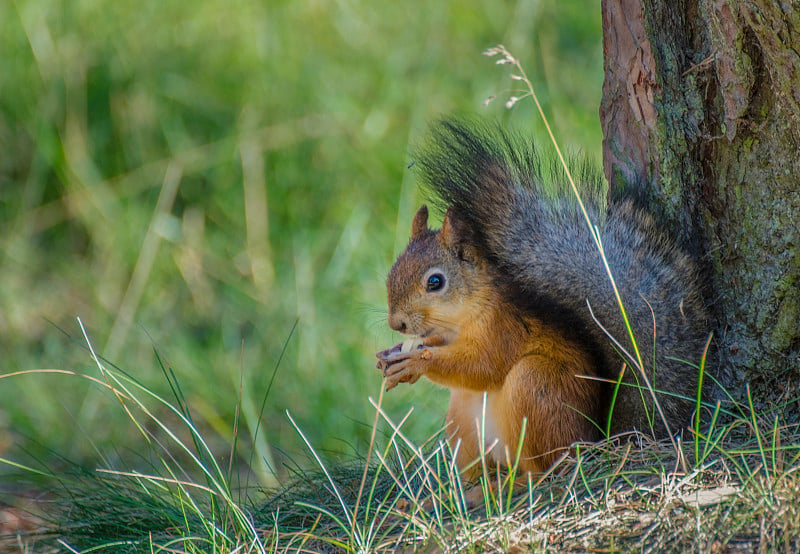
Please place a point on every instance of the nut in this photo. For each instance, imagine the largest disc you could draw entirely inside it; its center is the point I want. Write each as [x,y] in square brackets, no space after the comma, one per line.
[411,344]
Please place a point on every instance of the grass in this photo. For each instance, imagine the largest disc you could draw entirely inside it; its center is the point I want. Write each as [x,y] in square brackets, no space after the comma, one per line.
[626,494]
[205,175]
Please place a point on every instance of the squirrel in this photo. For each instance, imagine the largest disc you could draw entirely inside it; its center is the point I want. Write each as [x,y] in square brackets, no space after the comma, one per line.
[512,308]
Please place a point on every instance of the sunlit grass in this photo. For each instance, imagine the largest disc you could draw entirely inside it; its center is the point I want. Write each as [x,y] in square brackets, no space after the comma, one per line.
[208,174]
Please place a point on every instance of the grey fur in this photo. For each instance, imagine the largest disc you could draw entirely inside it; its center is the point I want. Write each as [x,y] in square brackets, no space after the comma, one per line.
[543,251]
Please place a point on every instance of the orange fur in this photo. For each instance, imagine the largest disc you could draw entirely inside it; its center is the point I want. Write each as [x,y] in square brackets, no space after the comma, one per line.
[527,371]
[532,375]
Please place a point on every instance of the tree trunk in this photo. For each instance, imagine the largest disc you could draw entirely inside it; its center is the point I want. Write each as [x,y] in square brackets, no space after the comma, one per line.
[701,108]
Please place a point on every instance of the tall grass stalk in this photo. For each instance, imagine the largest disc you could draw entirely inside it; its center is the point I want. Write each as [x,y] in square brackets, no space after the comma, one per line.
[505,57]
[699,399]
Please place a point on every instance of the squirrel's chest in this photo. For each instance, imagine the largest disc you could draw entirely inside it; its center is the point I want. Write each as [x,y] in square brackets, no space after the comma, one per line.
[478,420]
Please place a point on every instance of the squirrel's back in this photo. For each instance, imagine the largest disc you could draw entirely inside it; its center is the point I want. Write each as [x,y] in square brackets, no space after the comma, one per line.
[523,219]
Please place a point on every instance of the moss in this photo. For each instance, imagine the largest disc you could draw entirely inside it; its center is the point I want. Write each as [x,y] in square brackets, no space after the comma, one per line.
[786,328]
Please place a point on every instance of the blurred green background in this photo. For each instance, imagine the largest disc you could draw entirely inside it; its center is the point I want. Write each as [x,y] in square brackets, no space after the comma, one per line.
[201,175]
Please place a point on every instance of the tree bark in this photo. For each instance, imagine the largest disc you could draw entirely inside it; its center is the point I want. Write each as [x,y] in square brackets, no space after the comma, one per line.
[701,109]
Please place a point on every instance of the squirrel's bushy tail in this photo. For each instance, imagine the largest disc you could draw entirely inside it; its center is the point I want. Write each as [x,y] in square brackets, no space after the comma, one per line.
[524,219]
[486,174]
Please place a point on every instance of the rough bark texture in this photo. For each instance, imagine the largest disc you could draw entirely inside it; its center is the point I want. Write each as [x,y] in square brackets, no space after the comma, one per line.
[701,108]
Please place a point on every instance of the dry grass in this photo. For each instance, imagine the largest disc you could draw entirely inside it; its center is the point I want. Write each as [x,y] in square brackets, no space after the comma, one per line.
[626,494]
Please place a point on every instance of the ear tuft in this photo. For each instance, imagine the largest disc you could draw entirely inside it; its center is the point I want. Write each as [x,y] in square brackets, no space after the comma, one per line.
[455,233]
[420,224]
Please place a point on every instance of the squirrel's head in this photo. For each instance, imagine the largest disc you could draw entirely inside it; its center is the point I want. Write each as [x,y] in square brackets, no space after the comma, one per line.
[437,280]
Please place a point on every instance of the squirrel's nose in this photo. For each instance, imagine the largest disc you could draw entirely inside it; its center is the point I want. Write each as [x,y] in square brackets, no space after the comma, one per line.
[398,322]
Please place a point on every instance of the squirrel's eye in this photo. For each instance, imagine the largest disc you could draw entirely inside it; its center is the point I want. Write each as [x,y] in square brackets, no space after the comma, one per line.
[435,282]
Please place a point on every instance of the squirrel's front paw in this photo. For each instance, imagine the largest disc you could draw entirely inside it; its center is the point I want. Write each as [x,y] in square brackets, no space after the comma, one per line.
[405,367]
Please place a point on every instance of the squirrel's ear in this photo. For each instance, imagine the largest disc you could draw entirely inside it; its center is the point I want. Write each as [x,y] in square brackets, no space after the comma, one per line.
[455,235]
[420,224]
